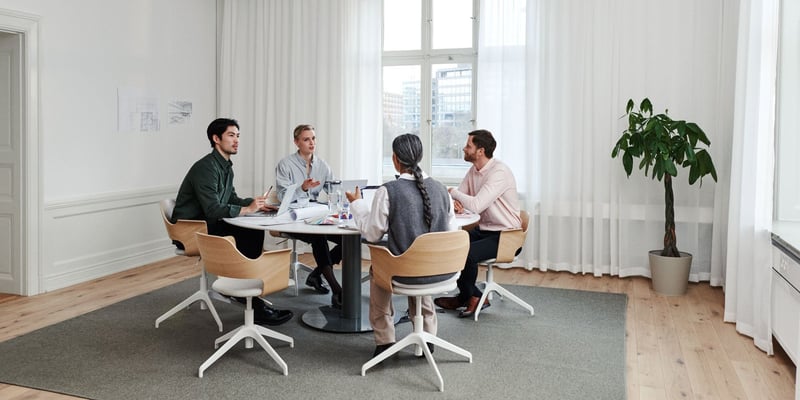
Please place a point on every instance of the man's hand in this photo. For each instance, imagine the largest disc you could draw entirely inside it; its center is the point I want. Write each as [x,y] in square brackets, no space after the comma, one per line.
[354,195]
[458,207]
[309,184]
[257,204]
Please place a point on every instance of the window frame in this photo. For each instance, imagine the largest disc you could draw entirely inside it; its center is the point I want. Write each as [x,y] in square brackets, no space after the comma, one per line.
[426,57]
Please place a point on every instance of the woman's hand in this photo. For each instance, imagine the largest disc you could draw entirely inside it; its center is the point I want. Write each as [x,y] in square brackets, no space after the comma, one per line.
[354,195]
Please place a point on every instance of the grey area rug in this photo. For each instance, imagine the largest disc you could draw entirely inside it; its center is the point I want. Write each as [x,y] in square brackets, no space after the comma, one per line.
[573,348]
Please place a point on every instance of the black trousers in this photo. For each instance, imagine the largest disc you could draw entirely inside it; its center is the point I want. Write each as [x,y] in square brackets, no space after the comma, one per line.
[482,245]
[249,242]
[323,255]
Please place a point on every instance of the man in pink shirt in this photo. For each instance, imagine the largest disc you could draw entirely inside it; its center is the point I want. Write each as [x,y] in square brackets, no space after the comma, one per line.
[489,189]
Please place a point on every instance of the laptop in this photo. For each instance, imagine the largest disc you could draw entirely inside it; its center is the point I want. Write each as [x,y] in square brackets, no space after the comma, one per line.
[288,197]
[343,186]
[350,185]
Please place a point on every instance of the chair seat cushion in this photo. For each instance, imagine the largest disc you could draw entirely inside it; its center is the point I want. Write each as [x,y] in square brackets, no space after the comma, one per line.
[446,283]
[420,280]
[425,290]
[238,287]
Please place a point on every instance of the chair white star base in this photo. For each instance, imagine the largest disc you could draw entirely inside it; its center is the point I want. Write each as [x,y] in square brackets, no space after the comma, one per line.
[294,262]
[418,337]
[183,232]
[249,331]
[201,295]
[297,265]
[491,286]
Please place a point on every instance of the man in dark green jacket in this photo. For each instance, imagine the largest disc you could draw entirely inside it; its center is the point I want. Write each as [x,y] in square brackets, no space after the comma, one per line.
[207,193]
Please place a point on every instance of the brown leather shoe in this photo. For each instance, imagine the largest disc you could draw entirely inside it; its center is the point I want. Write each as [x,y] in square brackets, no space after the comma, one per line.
[472,305]
[448,303]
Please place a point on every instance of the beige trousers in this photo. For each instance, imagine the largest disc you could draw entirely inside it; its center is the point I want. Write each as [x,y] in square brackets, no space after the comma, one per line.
[381,313]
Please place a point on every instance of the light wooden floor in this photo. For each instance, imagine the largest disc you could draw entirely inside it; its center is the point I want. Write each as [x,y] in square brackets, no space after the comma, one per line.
[676,347]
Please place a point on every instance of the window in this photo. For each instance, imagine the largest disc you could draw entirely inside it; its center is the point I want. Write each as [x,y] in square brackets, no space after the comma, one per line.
[429,55]
[787,173]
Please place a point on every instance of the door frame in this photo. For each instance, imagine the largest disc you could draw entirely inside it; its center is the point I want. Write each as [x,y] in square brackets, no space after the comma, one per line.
[27,25]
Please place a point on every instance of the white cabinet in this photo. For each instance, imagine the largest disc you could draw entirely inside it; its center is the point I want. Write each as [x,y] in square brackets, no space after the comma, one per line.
[785,302]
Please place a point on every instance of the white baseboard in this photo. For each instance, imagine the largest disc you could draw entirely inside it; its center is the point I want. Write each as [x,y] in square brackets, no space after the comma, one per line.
[83,269]
[94,236]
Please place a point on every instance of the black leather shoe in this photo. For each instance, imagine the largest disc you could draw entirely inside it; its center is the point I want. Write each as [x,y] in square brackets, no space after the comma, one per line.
[336,301]
[448,303]
[315,281]
[266,315]
[430,347]
[381,348]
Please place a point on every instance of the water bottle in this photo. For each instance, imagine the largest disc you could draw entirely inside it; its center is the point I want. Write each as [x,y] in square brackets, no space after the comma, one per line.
[334,196]
[344,213]
[333,202]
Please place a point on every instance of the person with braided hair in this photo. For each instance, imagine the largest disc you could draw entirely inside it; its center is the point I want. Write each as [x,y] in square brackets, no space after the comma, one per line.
[403,209]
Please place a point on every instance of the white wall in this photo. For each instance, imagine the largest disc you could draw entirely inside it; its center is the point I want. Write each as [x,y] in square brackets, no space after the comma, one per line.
[100,187]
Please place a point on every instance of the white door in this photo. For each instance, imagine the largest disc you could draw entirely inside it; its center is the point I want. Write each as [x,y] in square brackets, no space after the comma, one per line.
[10,164]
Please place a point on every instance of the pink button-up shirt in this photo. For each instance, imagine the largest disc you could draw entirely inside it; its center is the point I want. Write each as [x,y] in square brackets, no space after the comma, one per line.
[492,193]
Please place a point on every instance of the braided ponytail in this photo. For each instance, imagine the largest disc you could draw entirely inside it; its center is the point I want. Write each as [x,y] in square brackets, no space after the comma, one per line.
[408,149]
[426,200]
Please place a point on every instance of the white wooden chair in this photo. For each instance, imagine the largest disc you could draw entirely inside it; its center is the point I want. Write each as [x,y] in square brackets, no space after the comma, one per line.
[438,254]
[240,276]
[294,263]
[510,241]
[183,231]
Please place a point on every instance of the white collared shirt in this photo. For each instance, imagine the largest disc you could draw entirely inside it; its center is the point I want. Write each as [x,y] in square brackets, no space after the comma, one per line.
[373,219]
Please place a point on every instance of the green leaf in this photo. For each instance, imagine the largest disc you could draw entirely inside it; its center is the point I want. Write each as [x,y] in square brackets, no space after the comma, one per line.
[646,106]
[694,173]
[627,162]
[680,126]
[629,107]
[689,153]
[669,166]
[699,133]
[652,124]
[705,164]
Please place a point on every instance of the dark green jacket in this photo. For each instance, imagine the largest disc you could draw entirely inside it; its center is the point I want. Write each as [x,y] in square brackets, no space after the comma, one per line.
[207,192]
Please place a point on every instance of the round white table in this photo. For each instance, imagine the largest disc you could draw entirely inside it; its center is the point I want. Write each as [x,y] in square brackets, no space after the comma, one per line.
[349,319]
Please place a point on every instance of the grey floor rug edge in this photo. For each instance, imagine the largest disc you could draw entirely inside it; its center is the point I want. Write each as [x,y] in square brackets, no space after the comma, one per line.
[190,283]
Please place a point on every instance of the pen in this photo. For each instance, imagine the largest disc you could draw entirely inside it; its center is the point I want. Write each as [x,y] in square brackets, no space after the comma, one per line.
[268,191]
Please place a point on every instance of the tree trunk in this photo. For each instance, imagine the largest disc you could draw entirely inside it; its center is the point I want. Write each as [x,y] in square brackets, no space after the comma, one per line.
[670,242]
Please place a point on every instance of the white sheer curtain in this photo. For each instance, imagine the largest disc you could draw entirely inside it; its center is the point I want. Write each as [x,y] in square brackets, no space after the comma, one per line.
[287,62]
[747,273]
[553,80]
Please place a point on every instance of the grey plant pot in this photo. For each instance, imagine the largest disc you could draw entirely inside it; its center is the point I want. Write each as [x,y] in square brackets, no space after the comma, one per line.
[670,275]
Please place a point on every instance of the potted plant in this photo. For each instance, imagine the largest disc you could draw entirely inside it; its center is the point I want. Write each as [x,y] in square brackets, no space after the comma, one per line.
[663,144]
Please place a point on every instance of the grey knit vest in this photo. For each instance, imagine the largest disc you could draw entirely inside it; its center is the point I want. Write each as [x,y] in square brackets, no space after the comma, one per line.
[407,215]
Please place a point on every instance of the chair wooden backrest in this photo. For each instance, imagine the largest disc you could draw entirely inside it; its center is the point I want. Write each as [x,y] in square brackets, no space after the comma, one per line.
[182,230]
[434,253]
[512,239]
[222,258]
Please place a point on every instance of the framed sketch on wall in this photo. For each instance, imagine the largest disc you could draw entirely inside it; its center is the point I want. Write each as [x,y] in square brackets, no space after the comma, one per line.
[137,111]
[179,112]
